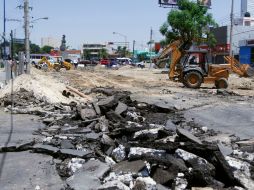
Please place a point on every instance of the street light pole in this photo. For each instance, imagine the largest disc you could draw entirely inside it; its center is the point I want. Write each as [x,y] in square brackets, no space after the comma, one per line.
[231,28]
[125,38]
[27,41]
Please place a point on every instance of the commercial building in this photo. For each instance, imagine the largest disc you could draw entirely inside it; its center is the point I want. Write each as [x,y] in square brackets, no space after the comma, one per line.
[49,41]
[92,51]
[222,35]
[247,6]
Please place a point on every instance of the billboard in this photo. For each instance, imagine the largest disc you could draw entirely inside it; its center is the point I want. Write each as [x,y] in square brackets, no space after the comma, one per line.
[168,2]
[206,3]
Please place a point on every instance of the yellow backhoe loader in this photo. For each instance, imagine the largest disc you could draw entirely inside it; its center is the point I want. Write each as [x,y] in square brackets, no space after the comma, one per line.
[46,65]
[193,75]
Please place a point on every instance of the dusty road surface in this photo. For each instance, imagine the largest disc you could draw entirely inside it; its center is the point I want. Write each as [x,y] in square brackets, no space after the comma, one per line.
[229,111]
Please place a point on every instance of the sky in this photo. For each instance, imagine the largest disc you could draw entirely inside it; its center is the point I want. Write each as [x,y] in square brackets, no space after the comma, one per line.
[94,21]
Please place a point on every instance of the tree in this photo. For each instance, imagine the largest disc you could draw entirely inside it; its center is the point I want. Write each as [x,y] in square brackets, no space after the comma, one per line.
[190,23]
[122,51]
[87,54]
[103,53]
[35,48]
[46,49]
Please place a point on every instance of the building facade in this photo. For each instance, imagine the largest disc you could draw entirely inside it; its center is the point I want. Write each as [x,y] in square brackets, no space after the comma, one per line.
[222,35]
[91,51]
[247,6]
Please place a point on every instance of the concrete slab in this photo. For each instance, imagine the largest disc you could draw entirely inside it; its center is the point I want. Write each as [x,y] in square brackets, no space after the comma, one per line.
[23,127]
[231,118]
[24,170]
[180,101]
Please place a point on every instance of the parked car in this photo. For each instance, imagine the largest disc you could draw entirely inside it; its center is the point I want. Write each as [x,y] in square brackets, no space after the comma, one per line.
[104,61]
[88,62]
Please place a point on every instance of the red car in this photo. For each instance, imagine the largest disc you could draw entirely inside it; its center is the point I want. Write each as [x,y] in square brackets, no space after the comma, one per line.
[104,61]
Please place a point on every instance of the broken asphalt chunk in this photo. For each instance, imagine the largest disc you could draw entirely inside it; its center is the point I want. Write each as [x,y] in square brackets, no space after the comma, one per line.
[87,113]
[129,166]
[83,180]
[45,149]
[121,108]
[76,153]
[95,168]
[186,135]
[114,185]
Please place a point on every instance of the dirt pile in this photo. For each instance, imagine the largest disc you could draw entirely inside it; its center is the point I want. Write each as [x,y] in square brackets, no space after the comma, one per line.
[43,87]
[117,143]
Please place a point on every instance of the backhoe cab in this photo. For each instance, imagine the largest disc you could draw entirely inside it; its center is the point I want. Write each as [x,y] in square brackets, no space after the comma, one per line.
[196,68]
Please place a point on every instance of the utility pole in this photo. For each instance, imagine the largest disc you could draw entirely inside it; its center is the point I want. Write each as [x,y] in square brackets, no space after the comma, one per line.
[150,47]
[12,45]
[133,50]
[4,50]
[231,28]
[27,41]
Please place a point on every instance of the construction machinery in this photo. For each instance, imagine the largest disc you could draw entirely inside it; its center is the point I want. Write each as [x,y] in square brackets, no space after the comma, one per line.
[193,75]
[46,65]
[164,57]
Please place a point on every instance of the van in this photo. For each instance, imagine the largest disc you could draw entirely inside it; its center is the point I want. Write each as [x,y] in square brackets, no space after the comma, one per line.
[124,60]
[35,58]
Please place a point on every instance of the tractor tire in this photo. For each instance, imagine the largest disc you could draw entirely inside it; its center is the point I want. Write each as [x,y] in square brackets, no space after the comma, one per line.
[221,83]
[192,79]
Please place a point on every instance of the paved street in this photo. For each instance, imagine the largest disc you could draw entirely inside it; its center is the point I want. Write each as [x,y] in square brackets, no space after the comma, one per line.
[24,170]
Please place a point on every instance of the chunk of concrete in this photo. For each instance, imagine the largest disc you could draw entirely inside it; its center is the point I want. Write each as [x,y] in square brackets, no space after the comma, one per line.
[127,178]
[87,113]
[202,171]
[114,185]
[241,172]
[182,133]
[144,183]
[147,134]
[121,108]
[83,180]
[136,152]
[119,153]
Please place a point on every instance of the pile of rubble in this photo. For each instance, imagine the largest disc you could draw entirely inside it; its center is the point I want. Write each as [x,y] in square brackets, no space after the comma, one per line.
[118,143]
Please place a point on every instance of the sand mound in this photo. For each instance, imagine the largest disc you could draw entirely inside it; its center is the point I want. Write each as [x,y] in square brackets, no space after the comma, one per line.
[44,87]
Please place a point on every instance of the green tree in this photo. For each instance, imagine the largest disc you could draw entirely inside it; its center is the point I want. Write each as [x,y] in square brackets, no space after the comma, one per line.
[190,23]
[87,54]
[46,49]
[122,51]
[34,48]
[103,53]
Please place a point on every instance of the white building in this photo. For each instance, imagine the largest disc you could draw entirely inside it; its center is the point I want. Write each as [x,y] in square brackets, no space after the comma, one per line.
[247,6]
[49,41]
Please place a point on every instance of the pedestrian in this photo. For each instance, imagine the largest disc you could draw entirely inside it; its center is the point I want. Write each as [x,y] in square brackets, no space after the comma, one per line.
[75,64]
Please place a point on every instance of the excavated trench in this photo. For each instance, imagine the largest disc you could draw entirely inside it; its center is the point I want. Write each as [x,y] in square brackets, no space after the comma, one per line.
[118,143]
